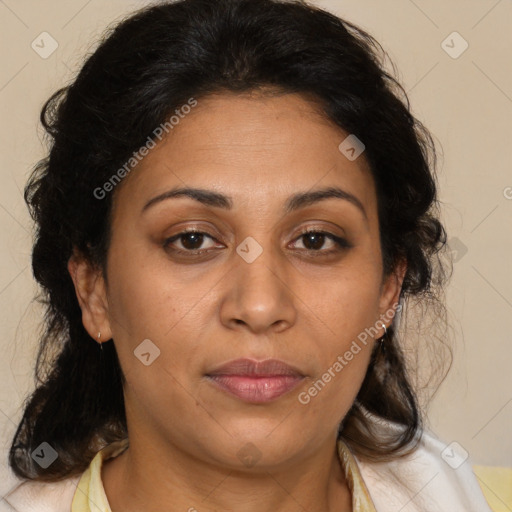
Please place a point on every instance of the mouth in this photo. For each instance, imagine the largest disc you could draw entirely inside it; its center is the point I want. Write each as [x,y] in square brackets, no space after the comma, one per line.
[256,381]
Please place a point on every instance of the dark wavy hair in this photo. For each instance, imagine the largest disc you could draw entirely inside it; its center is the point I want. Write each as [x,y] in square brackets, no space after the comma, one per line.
[146,67]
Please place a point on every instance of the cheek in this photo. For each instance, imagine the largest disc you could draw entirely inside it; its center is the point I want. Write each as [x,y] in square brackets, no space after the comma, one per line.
[151,299]
[149,295]
[344,314]
[330,393]
[346,304]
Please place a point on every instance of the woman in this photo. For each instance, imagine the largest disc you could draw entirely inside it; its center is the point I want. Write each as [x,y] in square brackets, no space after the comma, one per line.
[236,204]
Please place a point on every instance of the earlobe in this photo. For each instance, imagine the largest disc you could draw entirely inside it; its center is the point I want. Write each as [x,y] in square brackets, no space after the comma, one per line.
[91,294]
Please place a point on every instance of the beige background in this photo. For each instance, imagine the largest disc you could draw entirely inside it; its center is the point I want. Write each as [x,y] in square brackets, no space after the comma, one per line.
[466,102]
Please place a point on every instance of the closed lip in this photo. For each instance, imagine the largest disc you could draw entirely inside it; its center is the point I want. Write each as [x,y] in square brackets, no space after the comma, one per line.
[250,367]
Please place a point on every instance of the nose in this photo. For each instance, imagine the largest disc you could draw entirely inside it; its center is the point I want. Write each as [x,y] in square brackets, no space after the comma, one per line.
[259,295]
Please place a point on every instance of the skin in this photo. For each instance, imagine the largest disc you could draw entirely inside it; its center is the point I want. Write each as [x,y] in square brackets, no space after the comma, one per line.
[202,311]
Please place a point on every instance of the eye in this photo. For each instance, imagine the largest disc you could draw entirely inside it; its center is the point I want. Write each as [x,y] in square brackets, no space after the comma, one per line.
[191,242]
[315,240]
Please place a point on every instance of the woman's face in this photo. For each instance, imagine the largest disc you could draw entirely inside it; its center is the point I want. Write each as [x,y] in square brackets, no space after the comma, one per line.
[251,286]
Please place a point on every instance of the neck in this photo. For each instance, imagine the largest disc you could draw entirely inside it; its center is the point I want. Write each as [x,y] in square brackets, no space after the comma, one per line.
[148,478]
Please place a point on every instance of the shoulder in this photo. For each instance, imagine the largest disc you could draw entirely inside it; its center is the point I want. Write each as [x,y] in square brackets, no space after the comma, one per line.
[35,496]
[436,477]
[32,496]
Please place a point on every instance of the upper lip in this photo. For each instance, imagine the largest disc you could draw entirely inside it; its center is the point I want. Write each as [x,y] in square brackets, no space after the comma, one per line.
[266,368]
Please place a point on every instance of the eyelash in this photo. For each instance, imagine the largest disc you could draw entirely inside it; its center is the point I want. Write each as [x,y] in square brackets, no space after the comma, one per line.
[341,243]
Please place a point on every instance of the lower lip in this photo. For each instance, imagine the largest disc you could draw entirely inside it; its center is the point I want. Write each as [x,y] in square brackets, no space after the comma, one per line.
[256,389]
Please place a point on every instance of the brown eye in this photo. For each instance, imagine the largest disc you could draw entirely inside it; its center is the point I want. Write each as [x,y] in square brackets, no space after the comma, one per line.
[191,242]
[313,241]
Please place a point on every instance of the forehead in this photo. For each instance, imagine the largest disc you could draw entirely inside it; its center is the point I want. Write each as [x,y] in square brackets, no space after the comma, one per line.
[258,149]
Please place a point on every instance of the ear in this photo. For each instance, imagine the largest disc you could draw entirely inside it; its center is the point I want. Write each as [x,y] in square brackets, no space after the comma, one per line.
[91,294]
[391,288]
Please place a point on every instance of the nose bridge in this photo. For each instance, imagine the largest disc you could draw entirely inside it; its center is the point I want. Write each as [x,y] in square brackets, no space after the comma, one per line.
[260,271]
[259,290]
[260,268]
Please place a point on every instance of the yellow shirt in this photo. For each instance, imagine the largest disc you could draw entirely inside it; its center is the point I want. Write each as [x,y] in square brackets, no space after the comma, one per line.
[90,495]
[496,484]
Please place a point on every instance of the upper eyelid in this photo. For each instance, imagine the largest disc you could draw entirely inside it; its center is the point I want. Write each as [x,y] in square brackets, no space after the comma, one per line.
[302,231]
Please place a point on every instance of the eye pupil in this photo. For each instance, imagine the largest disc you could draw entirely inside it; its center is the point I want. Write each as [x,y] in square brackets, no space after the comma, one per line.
[311,237]
[196,238]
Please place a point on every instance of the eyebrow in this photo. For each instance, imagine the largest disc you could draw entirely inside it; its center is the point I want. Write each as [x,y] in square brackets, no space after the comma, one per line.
[294,202]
